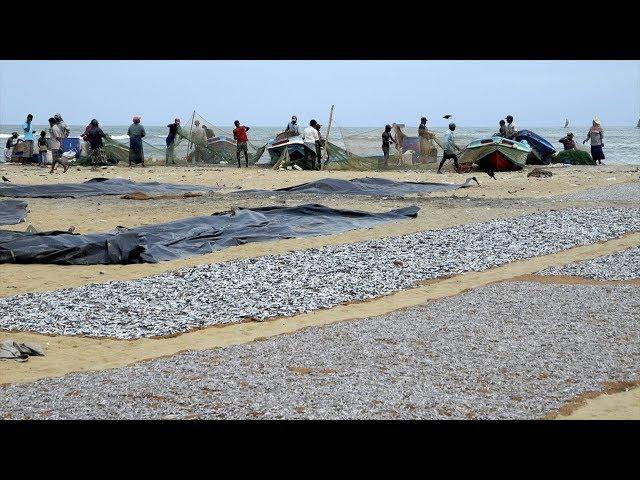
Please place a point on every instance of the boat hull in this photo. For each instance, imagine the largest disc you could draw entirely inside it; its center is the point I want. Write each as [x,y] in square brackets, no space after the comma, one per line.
[498,162]
[541,148]
[296,148]
[296,152]
[496,154]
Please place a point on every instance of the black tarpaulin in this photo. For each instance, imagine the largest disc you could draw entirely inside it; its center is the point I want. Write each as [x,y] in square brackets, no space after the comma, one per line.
[97,186]
[12,211]
[367,186]
[187,237]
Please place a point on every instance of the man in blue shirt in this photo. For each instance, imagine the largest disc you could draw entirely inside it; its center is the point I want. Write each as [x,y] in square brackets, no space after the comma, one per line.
[28,137]
[292,126]
[450,148]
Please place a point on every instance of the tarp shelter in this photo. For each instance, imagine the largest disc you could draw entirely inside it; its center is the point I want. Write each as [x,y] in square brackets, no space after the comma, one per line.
[187,237]
[97,186]
[12,211]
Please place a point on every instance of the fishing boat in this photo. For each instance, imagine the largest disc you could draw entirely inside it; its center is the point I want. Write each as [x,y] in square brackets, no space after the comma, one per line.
[496,153]
[541,149]
[294,144]
[220,148]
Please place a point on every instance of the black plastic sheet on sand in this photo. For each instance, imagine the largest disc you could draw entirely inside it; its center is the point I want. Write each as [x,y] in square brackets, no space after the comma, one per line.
[97,186]
[187,237]
[367,186]
[12,211]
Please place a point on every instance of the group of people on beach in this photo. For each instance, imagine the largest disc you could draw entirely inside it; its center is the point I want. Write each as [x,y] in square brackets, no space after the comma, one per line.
[58,130]
[450,149]
[200,135]
[595,135]
[313,138]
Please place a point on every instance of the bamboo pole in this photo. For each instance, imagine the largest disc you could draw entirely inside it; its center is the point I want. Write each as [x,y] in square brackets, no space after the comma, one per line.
[326,139]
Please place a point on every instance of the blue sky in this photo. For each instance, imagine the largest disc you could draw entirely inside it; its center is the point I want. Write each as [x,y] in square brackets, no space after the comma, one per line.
[365,93]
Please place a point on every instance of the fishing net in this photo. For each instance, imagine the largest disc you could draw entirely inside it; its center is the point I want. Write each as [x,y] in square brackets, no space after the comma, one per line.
[357,149]
[193,145]
[200,142]
[574,157]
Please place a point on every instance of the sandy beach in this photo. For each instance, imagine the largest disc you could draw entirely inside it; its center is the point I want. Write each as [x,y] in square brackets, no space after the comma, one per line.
[434,293]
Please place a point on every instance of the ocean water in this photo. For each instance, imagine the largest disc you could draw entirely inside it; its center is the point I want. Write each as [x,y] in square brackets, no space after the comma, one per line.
[622,144]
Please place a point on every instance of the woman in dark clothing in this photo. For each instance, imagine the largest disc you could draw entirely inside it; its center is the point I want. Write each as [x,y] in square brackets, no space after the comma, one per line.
[94,135]
[171,141]
[568,142]
[136,134]
[387,139]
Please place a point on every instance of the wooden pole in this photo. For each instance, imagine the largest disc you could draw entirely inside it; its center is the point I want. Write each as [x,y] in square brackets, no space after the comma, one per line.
[193,116]
[326,139]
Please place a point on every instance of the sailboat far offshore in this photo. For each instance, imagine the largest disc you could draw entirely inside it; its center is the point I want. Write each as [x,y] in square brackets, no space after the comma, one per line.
[566,122]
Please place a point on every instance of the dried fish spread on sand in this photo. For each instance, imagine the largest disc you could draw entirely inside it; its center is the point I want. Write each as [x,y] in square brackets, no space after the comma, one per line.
[303,281]
[623,265]
[467,356]
[626,192]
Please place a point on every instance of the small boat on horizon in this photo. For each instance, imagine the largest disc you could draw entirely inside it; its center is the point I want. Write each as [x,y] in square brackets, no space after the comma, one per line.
[496,154]
[566,122]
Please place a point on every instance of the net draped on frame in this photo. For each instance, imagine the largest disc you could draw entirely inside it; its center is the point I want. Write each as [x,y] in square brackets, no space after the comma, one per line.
[345,149]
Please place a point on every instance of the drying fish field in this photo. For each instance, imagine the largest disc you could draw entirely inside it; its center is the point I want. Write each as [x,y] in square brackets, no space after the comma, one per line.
[507,299]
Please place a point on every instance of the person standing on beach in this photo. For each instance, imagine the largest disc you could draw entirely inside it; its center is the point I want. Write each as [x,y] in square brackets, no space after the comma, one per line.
[12,141]
[56,136]
[64,129]
[199,138]
[596,134]
[42,149]
[310,137]
[94,137]
[171,142]
[292,126]
[512,130]
[136,134]
[240,136]
[387,140]
[450,148]
[319,144]
[209,133]
[28,137]
[425,136]
[568,142]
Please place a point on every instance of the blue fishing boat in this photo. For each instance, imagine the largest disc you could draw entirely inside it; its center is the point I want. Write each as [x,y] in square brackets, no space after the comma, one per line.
[541,149]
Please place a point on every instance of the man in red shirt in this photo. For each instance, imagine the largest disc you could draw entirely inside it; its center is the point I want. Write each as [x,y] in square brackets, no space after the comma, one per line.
[240,136]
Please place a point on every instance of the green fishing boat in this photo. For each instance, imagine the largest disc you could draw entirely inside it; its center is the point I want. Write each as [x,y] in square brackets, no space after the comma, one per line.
[497,154]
